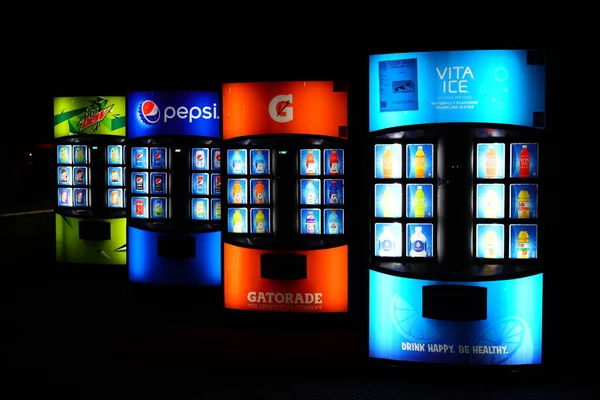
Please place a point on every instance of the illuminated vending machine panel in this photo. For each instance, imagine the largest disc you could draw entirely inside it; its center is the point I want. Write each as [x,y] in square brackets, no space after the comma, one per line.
[116,172]
[249,191]
[321,191]
[150,183]
[506,201]
[205,184]
[74,176]
[404,209]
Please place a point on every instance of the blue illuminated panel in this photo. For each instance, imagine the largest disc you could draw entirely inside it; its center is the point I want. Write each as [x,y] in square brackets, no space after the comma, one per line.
[473,86]
[173,113]
[145,266]
[510,335]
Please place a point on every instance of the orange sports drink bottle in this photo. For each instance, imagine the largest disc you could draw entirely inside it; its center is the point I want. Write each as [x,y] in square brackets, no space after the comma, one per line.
[388,163]
[259,193]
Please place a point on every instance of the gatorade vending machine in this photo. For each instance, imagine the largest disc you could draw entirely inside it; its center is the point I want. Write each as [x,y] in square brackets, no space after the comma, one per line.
[284,236]
[457,249]
[174,231]
[89,134]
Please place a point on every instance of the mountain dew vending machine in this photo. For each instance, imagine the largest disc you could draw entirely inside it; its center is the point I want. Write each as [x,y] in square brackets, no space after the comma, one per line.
[457,206]
[89,135]
[285,247]
[174,230]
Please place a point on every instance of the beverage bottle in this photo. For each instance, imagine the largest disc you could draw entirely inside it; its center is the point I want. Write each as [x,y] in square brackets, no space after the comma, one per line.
[418,243]
[420,163]
[419,201]
[333,195]
[310,193]
[64,156]
[200,213]
[79,154]
[333,163]
[388,162]
[259,193]
[387,203]
[236,162]
[311,223]
[259,222]
[311,167]
[79,176]
[114,198]
[158,209]
[236,192]
[114,176]
[217,163]
[259,163]
[199,159]
[490,244]
[490,162]
[64,178]
[114,155]
[200,184]
[237,221]
[523,204]
[524,162]
[490,206]
[333,223]
[218,210]
[387,242]
[523,244]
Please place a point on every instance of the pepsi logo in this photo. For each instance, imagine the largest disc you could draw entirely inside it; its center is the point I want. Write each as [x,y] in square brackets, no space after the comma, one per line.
[149,112]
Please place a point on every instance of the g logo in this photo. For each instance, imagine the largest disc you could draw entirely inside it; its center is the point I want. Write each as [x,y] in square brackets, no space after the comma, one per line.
[280,108]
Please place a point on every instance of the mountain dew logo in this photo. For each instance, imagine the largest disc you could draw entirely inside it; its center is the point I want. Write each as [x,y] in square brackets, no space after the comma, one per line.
[95,114]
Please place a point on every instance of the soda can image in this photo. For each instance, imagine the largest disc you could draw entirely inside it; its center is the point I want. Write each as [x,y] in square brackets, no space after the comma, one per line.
[216,159]
[64,175]
[114,155]
[216,183]
[139,207]
[139,183]
[115,198]
[215,206]
[139,157]
[200,159]
[80,176]
[158,182]
[158,157]
[159,207]
[65,198]
[63,154]
[81,197]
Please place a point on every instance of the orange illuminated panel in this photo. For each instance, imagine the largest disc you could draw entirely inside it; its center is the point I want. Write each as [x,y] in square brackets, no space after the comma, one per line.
[325,288]
[305,107]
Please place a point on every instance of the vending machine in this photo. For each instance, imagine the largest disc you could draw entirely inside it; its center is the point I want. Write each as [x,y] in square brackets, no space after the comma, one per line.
[285,246]
[89,135]
[174,209]
[457,198]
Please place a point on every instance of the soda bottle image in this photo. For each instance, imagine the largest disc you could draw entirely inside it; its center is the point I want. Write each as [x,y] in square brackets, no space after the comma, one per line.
[114,155]
[311,223]
[139,158]
[259,162]
[218,184]
[490,244]
[63,175]
[236,162]
[114,198]
[218,210]
[524,162]
[419,202]
[237,222]
[64,156]
[79,156]
[200,184]
[158,209]
[334,163]
[311,167]
[236,193]
[490,206]
[333,223]
[387,203]
[114,176]
[523,244]
[388,162]
[64,197]
[200,213]
[217,159]
[259,193]
[333,196]
[259,222]
[490,162]
[420,163]
[199,159]
[387,242]
[79,175]
[418,243]
[79,197]
[523,204]
[310,193]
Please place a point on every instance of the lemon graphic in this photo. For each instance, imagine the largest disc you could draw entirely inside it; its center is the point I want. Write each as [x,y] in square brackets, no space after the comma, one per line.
[512,332]
[410,323]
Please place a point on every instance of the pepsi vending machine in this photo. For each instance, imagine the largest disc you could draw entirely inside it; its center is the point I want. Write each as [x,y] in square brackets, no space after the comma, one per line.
[285,247]
[457,207]
[89,135]
[174,230]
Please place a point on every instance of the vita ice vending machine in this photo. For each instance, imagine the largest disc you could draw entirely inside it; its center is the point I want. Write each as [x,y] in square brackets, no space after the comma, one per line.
[89,135]
[456,244]
[285,247]
[174,231]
